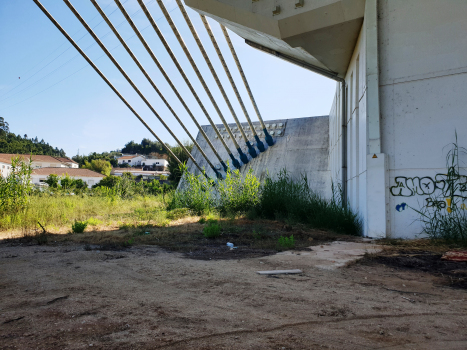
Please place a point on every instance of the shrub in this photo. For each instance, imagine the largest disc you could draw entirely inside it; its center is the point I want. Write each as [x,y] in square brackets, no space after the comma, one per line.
[295,201]
[79,226]
[52,181]
[448,222]
[238,194]
[212,230]
[110,181]
[66,182]
[80,184]
[16,187]
[281,198]
[99,165]
[195,194]
[286,242]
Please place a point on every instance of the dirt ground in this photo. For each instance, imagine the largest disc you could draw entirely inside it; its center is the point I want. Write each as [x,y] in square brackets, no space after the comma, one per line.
[66,296]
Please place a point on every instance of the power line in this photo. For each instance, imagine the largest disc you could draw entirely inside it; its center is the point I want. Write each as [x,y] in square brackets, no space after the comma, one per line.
[77,55]
[69,47]
[80,69]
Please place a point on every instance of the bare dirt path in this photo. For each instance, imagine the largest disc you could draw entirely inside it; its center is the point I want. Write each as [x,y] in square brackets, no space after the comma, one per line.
[64,297]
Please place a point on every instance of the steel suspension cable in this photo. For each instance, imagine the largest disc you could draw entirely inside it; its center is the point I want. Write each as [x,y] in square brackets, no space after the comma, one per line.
[114,61]
[268,137]
[251,150]
[235,162]
[259,144]
[140,66]
[243,157]
[169,81]
[72,42]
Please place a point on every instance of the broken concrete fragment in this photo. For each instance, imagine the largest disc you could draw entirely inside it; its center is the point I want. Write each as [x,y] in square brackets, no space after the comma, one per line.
[278,272]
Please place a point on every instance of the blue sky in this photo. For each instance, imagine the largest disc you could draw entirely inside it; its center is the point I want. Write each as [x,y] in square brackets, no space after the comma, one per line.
[48,90]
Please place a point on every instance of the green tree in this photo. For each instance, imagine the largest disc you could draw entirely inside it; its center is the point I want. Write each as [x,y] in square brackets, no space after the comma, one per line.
[11,143]
[174,169]
[66,182]
[99,165]
[4,128]
[52,181]
[16,187]
[79,184]
[109,182]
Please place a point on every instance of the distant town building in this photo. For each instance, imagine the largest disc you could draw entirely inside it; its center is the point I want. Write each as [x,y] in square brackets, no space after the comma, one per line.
[37,162]
[143,161]
[90,177]
[145,174]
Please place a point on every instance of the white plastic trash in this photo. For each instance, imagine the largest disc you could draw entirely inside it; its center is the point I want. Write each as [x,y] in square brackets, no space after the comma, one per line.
[231,246]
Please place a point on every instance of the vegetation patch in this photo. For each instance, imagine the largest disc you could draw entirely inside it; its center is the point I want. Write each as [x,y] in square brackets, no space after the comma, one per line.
[212,230]
[79,226]
[291,201]
[286,242]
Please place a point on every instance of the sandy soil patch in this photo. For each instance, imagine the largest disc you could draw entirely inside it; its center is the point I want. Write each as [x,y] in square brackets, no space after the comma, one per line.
[143,297]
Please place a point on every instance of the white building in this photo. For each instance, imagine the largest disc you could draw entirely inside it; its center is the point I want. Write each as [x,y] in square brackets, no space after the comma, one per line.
[91,178]
[132,160]
[140,160]
[146,175]
[37,161]
[401,72]
[155,162]
[5,168]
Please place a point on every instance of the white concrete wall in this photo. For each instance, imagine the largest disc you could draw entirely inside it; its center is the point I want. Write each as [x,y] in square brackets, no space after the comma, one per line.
[422,48]
[356,132]
[423,89]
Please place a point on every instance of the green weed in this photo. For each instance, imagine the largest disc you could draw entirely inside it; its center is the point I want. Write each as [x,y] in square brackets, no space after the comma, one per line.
[257,234]
[129,242]
[286,242]
[93,221]
[79,226]
[212,230]
[448,222]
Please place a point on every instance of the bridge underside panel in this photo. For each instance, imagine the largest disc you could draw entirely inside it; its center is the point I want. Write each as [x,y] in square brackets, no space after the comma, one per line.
[302,148]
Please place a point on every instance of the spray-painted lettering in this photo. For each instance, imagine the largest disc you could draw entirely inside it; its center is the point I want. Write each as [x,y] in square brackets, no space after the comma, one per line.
[446,185]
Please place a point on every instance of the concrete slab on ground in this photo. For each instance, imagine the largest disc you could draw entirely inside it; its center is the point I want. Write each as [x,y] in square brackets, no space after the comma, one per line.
[327,256]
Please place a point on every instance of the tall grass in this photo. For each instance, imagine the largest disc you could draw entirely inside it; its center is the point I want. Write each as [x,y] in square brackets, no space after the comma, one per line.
[448,221]
[295,201]
[61,210]
[196,194]
[281,198]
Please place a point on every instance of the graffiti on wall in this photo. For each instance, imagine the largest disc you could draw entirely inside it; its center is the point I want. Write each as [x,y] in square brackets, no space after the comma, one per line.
[445,185]
[401,207]
[441,190]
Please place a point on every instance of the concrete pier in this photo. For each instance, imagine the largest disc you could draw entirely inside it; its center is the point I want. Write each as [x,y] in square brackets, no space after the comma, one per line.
[302,148]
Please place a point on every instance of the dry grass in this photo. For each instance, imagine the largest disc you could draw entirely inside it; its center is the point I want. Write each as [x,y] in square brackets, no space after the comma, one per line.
[56,213]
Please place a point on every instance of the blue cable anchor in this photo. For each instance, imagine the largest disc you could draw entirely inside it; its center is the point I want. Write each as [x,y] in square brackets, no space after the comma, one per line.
[235,162]
[259,144]
[251,149]
[268,137]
